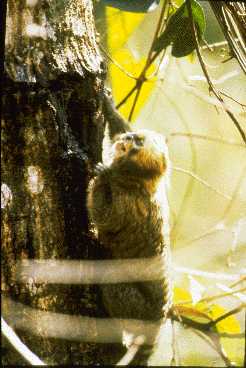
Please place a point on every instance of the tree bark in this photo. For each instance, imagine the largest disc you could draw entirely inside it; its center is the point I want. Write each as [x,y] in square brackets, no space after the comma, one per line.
[52,132]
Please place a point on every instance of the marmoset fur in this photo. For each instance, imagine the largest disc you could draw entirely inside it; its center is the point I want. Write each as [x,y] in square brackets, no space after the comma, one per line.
[128,205]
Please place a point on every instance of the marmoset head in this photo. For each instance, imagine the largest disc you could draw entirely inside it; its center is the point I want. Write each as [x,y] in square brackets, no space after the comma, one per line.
[144,150]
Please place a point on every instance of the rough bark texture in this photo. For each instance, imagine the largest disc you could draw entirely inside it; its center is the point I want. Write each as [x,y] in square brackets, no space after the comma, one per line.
[52,132]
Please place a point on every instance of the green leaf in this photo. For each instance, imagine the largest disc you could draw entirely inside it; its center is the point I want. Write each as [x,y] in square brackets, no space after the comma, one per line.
[178,31]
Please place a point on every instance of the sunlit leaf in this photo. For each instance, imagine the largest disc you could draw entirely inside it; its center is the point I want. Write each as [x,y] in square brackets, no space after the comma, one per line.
[178,32]
[120,26]
[233,347]
[135,6]
[122,83]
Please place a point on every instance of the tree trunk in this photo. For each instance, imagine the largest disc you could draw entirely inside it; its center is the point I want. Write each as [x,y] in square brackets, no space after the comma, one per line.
[52,132]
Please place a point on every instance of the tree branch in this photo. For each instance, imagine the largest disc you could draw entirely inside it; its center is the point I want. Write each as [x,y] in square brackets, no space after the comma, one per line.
[231,312]
[204,69]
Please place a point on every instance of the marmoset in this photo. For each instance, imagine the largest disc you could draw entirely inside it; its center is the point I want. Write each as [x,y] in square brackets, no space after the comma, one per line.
[128,205]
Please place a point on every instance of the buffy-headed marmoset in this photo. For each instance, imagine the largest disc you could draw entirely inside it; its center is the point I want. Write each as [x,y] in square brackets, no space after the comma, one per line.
[128,205]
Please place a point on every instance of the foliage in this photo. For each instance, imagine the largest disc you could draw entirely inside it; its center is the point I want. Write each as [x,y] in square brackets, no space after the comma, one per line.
[178,31]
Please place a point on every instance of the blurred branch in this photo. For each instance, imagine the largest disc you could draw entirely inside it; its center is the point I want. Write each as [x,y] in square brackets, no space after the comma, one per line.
[75,327]
[176,356]
[132,350]
[203,66]
[212,45]
[236,231]
[219,227]
[50,271]
[218,276]
[234,196]
[215,343]
[201,180]
[209,299]
[238,282]
[96,330]
[178,218]
[36,271]
[237,294]
[9,333]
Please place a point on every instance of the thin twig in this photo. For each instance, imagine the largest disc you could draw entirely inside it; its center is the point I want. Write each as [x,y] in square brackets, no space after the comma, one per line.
[201,180]
[211,100]
[205,327]
[117,64]
[149,61]
[233,99]
[207,45]
[126,98]
[215,139]
[216,44]
[238,282]
[225,315]
[237,294]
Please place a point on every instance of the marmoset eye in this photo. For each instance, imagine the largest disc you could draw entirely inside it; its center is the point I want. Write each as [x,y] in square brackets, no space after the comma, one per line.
[129,137]
[138,141]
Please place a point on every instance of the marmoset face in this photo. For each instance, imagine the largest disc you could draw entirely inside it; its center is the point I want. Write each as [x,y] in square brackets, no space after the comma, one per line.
[145,148]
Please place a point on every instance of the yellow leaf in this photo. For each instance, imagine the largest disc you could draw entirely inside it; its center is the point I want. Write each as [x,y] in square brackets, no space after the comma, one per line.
[181,295]
[228,325]
[120,26]
[122,83]
[234,347]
